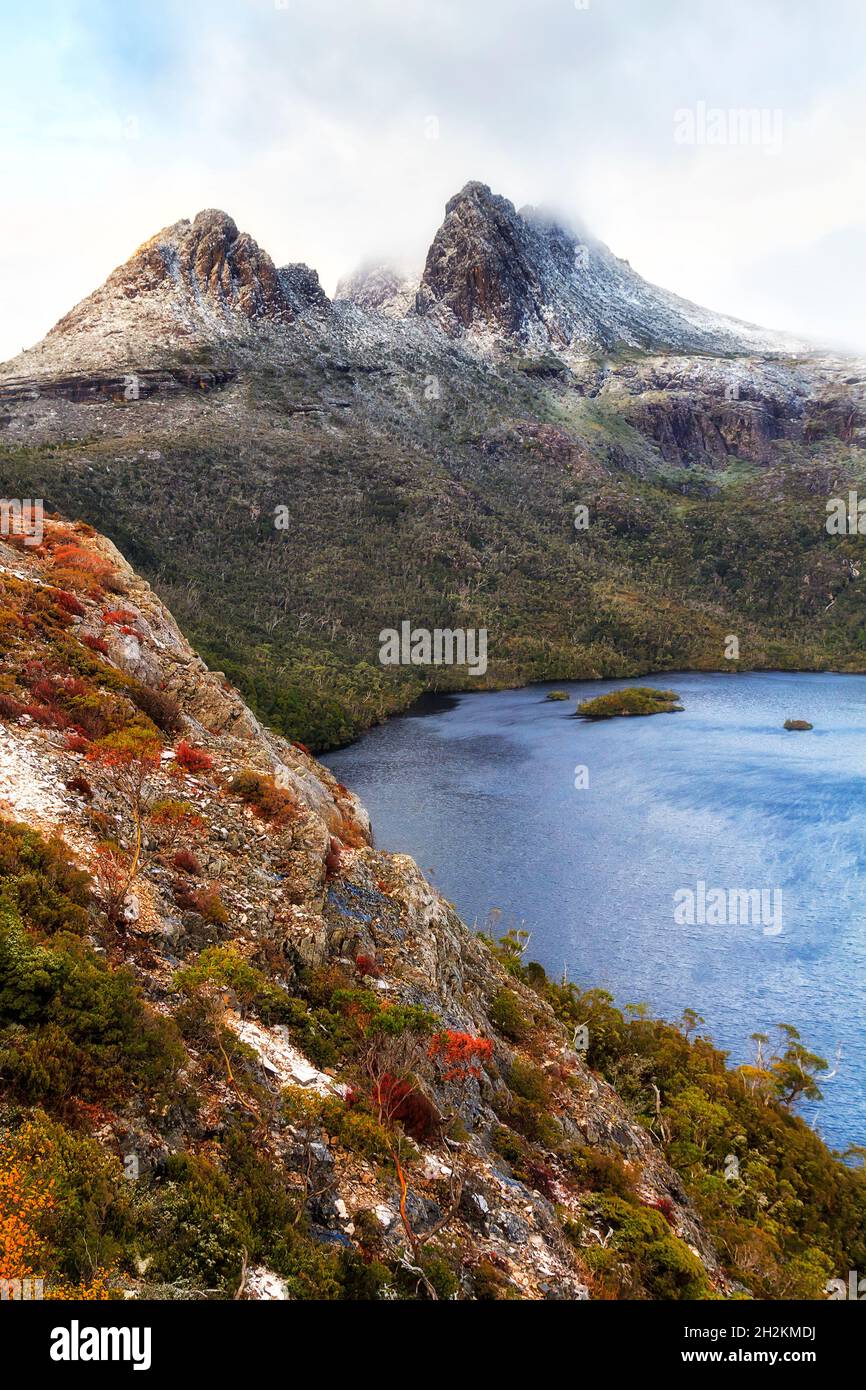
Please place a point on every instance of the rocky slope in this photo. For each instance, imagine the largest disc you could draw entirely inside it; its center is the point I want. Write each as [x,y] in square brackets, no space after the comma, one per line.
[317,913]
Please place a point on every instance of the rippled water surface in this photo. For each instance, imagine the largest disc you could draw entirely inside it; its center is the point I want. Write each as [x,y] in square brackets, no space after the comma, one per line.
[481,791]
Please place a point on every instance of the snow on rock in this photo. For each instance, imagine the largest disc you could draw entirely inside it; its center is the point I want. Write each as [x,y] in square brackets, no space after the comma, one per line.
[434,1169]
[263,1285]
[28,788]
[281,1059]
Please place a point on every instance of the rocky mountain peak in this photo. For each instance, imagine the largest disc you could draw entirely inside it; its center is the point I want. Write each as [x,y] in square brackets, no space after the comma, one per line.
[495,273]
[479,271]
[379,287]
[201,280]
[498,278]
[204,268]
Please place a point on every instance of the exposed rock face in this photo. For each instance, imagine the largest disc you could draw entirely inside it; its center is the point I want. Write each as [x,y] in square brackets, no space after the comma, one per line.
[379,288]
[492,270]
[301,289]
[194,282]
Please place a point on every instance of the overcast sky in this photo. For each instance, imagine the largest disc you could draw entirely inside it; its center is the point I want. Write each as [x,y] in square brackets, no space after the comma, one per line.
[335,130]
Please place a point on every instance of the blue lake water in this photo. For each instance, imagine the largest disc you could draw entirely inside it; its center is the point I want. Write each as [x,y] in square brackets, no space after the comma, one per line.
[481,791]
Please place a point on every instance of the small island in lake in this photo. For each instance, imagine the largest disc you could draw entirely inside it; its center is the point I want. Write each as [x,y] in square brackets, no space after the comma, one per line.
[635,699]
[797,724]
[556,695]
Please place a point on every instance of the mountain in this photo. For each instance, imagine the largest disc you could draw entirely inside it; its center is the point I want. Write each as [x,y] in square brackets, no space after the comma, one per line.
[244,1053]
[199,281]
[521,275]
[428,447]
[498,277]
[380,288]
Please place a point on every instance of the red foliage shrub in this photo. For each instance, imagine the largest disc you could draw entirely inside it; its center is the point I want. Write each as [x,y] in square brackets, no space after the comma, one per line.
[49,689]
[460,1055]
[187,863]
[76,743]
[205,901]
[666,1207]
[365,965]
[80,565]
[96,644]
[333,858]
[81,786]
[402,1101]
[32,671]
[351,833]
[47,716]
[192,759]
[118,616]
[69,602]
[274,804]
[112,872]
[543,1179]
[10,708]
[76,557]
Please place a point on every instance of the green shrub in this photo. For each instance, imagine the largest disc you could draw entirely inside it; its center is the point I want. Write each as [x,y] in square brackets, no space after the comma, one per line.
[600,1172]
[225,966]
[507,1015]
[643,1257]
[71,1025]
[635,699]
[528,1081]
[356,1130]
[41,880]
[534,1123]
[89,1220]
[195,1231]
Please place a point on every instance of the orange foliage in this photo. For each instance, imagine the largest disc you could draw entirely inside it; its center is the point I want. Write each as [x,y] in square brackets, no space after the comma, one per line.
[24,1198]
[460,1055]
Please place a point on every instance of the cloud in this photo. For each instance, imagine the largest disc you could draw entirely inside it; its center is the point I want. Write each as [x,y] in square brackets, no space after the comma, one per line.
[332,130]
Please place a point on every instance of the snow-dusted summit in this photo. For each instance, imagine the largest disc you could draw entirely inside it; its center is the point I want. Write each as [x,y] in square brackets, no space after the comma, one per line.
[498,273]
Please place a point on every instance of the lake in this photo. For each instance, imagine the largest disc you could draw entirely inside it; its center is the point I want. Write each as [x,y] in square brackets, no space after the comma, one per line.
[604,866]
